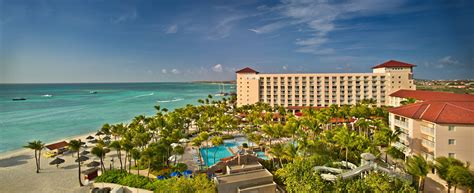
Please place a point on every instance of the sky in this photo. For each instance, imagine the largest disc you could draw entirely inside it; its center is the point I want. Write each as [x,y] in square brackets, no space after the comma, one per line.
[61,41]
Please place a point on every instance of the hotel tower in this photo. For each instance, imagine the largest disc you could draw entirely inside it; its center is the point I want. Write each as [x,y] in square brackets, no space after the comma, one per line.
[324,89]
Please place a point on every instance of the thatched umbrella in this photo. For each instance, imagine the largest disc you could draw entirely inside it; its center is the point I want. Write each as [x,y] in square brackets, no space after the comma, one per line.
[85,152]
[93,141]
[82,158]
[56,161]
[93,164]
[90,137]
[99,133]
[107,137]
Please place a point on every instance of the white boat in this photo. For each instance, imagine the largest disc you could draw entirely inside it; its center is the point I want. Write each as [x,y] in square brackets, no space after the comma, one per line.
[93,92]
[47,95]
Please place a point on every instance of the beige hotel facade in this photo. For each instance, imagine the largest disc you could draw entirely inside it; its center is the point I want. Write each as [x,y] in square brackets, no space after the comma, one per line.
[324,89]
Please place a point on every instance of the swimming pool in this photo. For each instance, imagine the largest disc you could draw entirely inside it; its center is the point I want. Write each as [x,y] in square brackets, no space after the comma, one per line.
[222,151]
[262,155]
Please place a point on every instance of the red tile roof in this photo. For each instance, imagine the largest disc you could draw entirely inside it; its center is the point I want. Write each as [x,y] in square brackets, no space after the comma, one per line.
[247,70]
[422,95]
[394,63]
[57,145]
[442,112]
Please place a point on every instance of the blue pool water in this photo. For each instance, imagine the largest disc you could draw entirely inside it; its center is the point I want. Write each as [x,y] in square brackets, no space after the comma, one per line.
[222,151]
[219,152]
[262,155]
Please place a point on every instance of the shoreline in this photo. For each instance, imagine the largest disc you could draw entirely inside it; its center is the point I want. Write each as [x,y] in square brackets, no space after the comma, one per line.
[20,151]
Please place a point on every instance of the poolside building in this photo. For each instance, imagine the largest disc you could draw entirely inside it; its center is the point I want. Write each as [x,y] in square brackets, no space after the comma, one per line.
[324,89]
[436,128]
[423,95]
[246,179]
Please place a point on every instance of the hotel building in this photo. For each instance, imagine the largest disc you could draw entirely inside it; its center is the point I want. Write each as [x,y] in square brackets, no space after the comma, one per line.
[324,89]
[441,125]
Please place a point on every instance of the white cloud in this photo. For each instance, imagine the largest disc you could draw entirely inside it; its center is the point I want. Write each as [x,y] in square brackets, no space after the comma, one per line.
[448,60]
[164,71]
[284,67]
[175,71]
[130,16]
[318,18]
[172,29]
[217,68]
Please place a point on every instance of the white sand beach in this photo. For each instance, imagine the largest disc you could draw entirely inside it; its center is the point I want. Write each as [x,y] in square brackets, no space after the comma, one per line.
[18,172]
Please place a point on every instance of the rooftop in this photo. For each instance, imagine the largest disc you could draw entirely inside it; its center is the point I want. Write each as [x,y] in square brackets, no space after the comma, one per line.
[57,145]
[441,112]
[244,176]
[432,95]
[247,70]
[394,63]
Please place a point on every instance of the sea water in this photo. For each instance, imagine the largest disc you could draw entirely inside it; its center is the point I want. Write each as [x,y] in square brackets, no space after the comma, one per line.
[55,111]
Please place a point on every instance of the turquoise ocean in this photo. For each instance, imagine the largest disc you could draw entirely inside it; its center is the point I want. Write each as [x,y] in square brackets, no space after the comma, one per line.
[55,111]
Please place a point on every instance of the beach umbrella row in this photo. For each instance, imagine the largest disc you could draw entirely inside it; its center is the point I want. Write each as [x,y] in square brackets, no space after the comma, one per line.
[82,158]
[93,164]
[57,161]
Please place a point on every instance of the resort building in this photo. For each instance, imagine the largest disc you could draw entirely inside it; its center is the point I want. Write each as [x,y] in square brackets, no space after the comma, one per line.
[324,89]
[436,128]
[243,174]
[421,95]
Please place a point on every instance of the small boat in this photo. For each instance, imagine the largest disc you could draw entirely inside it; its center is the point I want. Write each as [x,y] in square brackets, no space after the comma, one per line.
[47,95]
[93,92]
[18,99]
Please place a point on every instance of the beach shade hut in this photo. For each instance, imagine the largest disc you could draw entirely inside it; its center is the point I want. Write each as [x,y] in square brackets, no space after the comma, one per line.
[93,141]
[184,140]
[85,152]
[90,137]
[107,138]
[187,173]
[174,158]
[93,164]
[99,133]
[57,148]
[173,145]
[82,158]
[175,174]
[56,162]
[160,177]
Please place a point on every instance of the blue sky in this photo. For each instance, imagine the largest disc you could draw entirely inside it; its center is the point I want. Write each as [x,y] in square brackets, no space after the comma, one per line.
[145,40]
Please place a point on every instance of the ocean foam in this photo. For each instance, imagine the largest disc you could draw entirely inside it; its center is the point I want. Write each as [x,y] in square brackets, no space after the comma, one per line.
[169,101]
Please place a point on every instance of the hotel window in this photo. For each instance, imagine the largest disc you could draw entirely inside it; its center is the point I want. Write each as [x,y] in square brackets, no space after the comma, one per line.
[451,141]
[451,128]
[453,155]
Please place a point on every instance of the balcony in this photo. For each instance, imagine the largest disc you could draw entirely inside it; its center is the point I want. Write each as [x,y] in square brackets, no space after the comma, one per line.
[428,131]
[429,145]
[400,123]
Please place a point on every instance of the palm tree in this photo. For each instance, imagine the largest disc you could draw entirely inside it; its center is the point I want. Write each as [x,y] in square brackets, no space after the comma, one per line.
[408,101]
[345,139]
[277,152]
[37,146]
[419,167]
[100,152]
[442,165]
[460,176]
[290,151]
[136,154]
[392,137]
[178,150]
[197,142]
[116,145]
[127,147]
[75,145]
[216,141]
